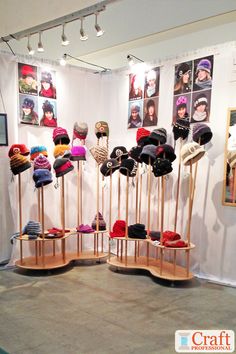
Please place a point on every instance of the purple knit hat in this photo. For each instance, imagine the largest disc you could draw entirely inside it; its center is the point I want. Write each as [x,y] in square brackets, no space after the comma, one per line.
[42,163]
[78,153]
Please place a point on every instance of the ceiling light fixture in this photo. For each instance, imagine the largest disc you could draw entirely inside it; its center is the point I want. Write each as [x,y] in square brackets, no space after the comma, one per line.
[64,40]
[30,49]
[63,62]
[131,60]
[97,27]
[83,36]
[40,44]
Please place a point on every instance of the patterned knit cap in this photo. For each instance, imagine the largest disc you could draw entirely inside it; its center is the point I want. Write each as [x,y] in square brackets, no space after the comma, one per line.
[41,162]
[99,153]
[19,163]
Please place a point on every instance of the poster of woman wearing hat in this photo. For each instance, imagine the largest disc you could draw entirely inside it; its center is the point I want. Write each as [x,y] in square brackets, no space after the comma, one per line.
[28,108]
[136,82]
[203,72]
[200,106]
[48,113]
[135,114]
[150,109]
[181,107]
[27,79]
[47,82]
[183,78]
[151,88]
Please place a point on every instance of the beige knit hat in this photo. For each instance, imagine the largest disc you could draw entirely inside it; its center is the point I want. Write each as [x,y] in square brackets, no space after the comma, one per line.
[99,153]
[191,153]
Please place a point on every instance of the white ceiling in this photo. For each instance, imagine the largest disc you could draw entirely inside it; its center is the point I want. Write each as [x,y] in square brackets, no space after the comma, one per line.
[125,22]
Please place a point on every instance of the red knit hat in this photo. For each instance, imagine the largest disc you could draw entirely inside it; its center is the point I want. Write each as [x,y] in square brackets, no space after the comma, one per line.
[170,236]
[142,133]
[118,229]
[60,136]
[176,244]
[27,70]
[18,149]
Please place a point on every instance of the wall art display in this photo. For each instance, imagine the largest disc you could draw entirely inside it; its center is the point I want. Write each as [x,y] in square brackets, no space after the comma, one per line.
[192,90]
[143,98]
[37,96]
[3,130]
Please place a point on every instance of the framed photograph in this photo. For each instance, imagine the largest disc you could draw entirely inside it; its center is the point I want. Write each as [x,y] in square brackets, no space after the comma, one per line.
[3,130]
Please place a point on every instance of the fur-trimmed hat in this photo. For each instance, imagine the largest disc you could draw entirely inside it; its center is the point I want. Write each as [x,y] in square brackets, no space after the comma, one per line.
[201,99]
[109,166]
[80,130]
[191,153]
[181,129]
[60,136]
[62,166]
[128,167]
[161,167]
[19,163]
[166,151]
[204,64]
[148,154]
[42,177]
[37,150]
[18,149]
[119,152]
[42,163]
[202,133]
[135,152]
[158,136]
[101,129]
[99,153]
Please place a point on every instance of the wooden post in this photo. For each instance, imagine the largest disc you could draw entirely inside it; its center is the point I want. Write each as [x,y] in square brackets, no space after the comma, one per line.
[81,190]
[39,203]
[20,217]
[190,204]
[110,204]
[78,194]
[103,178]
[158,203]
[97,221]
[149,196]
[126,216]
[119,192]
[63,217]
[136,189]
[140,198]
[178,185]
[42,218]
[162,219]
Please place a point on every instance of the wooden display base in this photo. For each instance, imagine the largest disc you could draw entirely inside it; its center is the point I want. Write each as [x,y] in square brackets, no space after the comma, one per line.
[42,258]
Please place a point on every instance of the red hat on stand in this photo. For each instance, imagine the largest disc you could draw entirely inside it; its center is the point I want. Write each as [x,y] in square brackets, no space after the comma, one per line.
[142,133]
[118,229]
[18,149]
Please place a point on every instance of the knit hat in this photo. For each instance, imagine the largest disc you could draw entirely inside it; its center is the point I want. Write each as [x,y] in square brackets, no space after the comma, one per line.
[60,136]
[80,131]
[32,228]
[137,231]
[42,163]
[166,151]
[142,136]
[62,166]
[87,229]
[99,153]
[28,103]
[201,99]
[37,150]
[204,64]
[101,129]
[27,70]
[19,163]
[176,244]
[42,177]
[191,152]
[46,76]
[158,136]
[101,223]
[181,102]
[78,153]
[202,133]
[181,129]
[109,166]
[118,229]
[231,157]
[155,235]
[149,151]
[47,107]
[18,149]
[135,152]
[161,167]
[151,75]
[119,152]
[183,68]
[128,167]
[62,150]
[170,236]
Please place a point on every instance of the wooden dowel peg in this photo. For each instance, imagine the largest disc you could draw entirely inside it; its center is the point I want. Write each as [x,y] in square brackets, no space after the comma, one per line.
[178,185]
[110,204]
[39,203]
[140,198]
[149,196]
[127,206]
[63,205]
[190,203]
[119,192]
[136,192]
[97,221]
[78,193]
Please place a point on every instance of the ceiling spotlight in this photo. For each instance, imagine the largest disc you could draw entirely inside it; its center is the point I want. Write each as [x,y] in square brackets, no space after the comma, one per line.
[63,60]
[30,49]
[131,57]
[130,60]
[40,44]
[97,27]
[64,40]
[83,36]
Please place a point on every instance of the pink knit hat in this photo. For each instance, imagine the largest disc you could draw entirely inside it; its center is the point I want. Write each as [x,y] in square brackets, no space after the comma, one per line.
[60,136]
[78,153]
[41,162]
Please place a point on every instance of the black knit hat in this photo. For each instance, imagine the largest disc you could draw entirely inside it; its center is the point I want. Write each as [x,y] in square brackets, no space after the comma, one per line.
[135,152]
[119,152]
[149,151]
[161,167]
[202,133]
[128,167]
[181,129]
[183,68]
[137,231]
[158,136]
[166,151]
[110,165]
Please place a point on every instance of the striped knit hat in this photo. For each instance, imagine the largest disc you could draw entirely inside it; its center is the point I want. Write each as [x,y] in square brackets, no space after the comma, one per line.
[36,151]
[32,228]
[19,163]
[42,163]
[80,131]
[60,136]
[99,153]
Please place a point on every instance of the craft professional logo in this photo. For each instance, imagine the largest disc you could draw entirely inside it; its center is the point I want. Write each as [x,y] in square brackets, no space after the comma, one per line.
[204,341]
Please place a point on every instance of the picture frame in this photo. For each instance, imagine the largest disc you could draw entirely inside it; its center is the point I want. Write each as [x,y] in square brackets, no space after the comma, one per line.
[3,130]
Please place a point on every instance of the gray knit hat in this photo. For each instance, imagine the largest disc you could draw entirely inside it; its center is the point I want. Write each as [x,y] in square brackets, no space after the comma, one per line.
[158,136]
[149,151]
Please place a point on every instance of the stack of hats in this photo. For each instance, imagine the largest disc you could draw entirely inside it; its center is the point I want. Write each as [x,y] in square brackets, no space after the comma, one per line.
[78,153]
[99,153]
[33,229]
[148,154]
[118,229]
[109,166]
[62,150]
[128,167]
[158,136]
[60,136]
[19,163]
[42,177]
[80,131]
[191,153]
[119,152]
[135,152]
[62,164]
[202,133]
[181,129]
[137,231]
[18,149]
[142,136]
[101,222]
[36,151]
[101,129]
[42,163]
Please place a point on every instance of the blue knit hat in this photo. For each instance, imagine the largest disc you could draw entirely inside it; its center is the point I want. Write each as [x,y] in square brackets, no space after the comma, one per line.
[42,177]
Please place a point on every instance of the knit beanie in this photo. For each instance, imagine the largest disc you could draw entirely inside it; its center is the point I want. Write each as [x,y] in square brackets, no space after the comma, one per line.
[36,151]
[202,133]
[166,151]
[158,136]
[142,136]
[109,166]
[181,129]
[119,152]
[19,163]
[78,153]
[161,167]
[118,229]
[204,64]
[99,153]
[41,162]
[101,129]
[135,152]
[128,167]
[61,150]
[62,166]
[148,154]
[183,68]
[80,131]
[60,136]
[101,222]
[137,231]
[42,177]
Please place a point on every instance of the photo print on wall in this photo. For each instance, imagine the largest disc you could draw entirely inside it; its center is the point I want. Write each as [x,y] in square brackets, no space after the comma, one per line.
[37,96]
[192,90]
[143,98]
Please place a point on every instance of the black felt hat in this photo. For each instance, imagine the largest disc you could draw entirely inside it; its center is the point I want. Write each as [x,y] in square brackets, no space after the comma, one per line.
[161,167]
[135,152]
[166,151]
[128,167]
[158,136]
[148,154]
[119,152]
[181,129]
[137,231]
[110,165]
[202,133]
